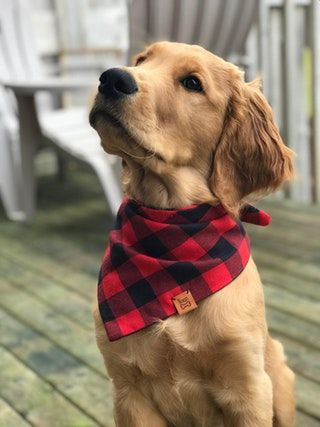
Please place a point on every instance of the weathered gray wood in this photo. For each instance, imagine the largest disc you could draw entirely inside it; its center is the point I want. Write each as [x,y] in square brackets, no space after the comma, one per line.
[53,270]
[45,289]
[85,388]
[302,359]
[37,400]
[9,417]
[284,280]
[62,331]
[270,253]
[289,235]
[296,305]
[297,329]
[303,420]
[293,208]
[307,395]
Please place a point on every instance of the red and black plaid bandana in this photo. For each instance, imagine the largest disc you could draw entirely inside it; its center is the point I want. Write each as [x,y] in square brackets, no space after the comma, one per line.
[155,255]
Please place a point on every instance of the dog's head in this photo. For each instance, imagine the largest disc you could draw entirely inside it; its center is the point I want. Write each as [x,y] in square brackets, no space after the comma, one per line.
[182,108]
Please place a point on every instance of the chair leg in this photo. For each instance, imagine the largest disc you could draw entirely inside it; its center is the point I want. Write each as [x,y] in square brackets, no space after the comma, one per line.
[107,174]
[9,178]
[62,162]
[30,134]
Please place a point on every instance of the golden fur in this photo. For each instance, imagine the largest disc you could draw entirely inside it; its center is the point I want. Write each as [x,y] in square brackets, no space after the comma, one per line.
[217,365]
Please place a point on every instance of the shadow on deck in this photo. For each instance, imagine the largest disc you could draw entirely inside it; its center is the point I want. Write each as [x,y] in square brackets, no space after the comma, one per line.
[51,372]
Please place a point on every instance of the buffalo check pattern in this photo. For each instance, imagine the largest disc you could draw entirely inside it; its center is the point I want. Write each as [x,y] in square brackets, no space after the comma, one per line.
[155,254]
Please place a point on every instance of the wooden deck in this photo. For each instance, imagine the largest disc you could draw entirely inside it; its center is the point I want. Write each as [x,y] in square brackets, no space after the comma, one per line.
[51,372]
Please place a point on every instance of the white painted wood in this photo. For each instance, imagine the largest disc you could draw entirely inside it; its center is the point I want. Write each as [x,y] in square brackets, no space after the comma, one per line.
[53,84]
[209,25]
[85,24]
[248,17]
[315,25]
[137,26]
[286,34]
[9,180]
[227,27]
[187,21]
[21,73]
[69,129]
[29,138]
[45,32]
[290,72]
[220,25]
[276,65]
[264,28]
[280,3]
[294,126]
[159,22]
[71,31]
[109,177]
[252,48]
[302,143]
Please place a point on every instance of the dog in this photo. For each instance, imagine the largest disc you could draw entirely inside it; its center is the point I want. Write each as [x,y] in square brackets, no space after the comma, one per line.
[191,132]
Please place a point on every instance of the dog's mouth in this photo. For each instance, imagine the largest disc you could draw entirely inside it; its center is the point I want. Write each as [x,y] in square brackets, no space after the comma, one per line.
[119,124]
[108,117]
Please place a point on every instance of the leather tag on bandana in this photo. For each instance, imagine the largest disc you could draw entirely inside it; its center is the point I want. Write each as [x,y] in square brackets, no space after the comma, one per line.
[184,302]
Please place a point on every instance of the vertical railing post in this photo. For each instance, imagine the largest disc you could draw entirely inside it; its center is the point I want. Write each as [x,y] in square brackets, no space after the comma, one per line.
[315,45]
[289,83]
[264,45]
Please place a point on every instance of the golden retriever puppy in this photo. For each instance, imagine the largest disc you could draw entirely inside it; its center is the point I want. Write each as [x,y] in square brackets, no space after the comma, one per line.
[190,131]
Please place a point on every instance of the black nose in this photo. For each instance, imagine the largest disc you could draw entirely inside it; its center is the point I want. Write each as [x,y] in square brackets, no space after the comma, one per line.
[116,83]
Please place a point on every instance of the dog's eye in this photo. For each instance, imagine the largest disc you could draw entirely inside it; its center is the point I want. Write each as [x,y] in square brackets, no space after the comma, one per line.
[140,60]
[192,83]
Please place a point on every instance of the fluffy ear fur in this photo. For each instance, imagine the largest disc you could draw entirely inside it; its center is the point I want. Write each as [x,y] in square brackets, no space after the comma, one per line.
[250,157]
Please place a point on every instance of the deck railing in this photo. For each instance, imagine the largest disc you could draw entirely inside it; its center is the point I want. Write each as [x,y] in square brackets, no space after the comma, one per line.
[288,41]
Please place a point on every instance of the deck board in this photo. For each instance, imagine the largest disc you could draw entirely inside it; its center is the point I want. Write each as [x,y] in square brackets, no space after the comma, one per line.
[35,399]
[45,320]
[64,372]
[9,417]
[48,274]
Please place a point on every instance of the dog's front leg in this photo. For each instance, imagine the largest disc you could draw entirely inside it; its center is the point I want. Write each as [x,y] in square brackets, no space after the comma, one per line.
[242,388]
[132,409]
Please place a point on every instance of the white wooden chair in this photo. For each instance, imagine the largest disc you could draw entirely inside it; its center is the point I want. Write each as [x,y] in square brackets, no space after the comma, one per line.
[219,25]
[22,125]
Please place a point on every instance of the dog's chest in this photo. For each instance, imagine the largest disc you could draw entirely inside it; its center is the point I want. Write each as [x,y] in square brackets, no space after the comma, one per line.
[170,349]
[168,370]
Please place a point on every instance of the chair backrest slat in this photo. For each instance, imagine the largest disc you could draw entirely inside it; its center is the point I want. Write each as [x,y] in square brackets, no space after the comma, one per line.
[26,40]
[16,43]
[159,24]
[209,26]
[186,20]
[18,56]
[221,26]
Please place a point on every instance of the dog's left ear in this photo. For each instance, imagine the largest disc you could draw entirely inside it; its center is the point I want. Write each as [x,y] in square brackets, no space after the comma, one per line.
[250,157]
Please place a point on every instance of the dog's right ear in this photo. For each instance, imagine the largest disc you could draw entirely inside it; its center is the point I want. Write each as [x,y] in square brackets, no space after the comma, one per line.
[250,157]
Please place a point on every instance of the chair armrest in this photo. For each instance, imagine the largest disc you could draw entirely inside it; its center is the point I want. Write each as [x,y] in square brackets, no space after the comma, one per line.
[51,84]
